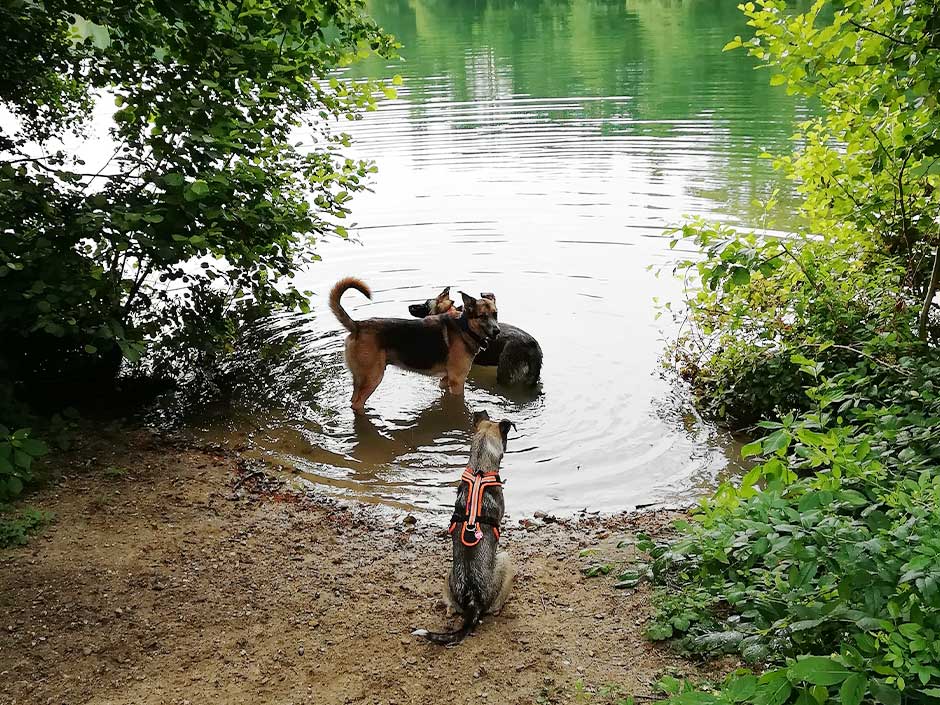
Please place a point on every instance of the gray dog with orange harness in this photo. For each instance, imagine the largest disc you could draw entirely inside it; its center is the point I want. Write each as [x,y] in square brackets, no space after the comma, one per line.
[480,578]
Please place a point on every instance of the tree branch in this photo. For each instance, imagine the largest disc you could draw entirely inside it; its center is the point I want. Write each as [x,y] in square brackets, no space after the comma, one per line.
[929,296]
[809,277]
[862,27]
[138,282]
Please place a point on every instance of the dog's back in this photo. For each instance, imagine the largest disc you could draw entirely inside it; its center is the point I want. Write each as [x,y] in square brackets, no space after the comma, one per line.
[413,344]
[516,354]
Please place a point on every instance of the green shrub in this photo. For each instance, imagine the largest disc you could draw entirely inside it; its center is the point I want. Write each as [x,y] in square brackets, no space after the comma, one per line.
[821,566]
[209,200]
[15,527]
[829,548]
[17,453]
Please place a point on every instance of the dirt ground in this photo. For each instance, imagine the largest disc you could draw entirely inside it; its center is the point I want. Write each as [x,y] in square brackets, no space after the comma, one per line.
[173,574]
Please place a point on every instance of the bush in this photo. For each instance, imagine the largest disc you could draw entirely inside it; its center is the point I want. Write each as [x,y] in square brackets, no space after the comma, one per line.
[208,201]
[863,274]
[829,548]
[16,527]
[17,453]
[821,566]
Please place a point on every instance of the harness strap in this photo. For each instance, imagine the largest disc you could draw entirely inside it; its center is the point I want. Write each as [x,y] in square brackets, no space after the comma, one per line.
[471,516]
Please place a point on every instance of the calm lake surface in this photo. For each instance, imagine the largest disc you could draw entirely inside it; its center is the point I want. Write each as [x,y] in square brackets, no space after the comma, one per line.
[537,150]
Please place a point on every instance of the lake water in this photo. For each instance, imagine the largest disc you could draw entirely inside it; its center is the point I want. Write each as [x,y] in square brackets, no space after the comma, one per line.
[538,150]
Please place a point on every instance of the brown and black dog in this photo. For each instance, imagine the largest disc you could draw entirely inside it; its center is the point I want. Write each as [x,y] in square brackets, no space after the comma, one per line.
[436,345]
[515,354]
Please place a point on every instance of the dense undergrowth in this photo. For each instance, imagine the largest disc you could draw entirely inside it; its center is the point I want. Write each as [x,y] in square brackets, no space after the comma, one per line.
[821,567]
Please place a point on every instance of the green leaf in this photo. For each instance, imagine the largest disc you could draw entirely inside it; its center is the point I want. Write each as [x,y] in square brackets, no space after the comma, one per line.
[773,689]
[90,349]
[853,689]
[34,447]
[777,442]
[23,461]
[910,630]
[885,694]
[853,498]
[659,632]
[819,670]
[753,448]
[740,276]
[742,688]
[14,486]
[805,698]
[199,187]
[694,697]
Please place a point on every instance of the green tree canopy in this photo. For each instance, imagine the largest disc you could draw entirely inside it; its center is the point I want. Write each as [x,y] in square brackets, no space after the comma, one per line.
[226,165]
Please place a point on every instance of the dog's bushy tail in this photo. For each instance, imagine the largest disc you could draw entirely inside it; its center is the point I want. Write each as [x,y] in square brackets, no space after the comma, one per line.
[471,618]
[339,288]
[534,365]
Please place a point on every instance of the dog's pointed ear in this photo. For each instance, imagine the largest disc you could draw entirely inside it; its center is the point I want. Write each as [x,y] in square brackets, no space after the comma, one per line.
[444,294]
[504,427]
[419,310]
[479,416]
[469,303]
[488,295]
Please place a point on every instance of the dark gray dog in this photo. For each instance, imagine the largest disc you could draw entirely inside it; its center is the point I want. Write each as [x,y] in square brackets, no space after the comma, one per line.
[515,354]
[480,578]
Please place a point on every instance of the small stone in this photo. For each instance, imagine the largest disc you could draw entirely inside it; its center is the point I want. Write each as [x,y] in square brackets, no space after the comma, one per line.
[410,520]
[300,650]
[118,611]
[87,651]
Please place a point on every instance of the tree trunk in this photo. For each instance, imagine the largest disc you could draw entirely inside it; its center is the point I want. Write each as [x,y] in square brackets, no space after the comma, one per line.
[928,298]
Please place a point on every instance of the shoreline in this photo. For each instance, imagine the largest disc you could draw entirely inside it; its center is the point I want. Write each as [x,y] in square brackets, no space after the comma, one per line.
[174,573]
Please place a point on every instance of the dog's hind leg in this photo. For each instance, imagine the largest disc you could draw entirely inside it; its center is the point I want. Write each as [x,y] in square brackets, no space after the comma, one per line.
[449,602]
[371,383]
[354,365]
[505,572]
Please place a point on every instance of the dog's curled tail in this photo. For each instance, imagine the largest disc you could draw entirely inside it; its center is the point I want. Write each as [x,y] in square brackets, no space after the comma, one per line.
[471,618]
[339,288]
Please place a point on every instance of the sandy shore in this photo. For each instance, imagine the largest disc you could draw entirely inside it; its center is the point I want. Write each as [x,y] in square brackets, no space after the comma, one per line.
[173,574]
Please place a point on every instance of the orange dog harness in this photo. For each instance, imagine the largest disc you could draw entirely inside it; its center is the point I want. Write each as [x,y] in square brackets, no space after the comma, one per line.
[470,517]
